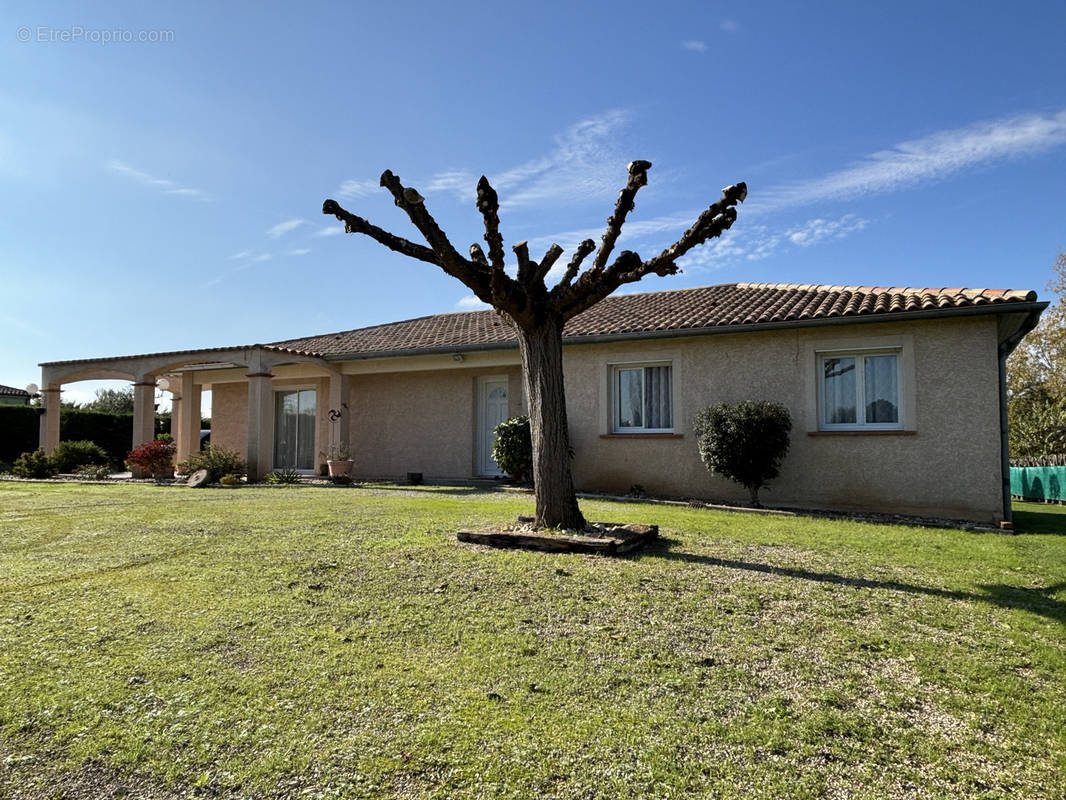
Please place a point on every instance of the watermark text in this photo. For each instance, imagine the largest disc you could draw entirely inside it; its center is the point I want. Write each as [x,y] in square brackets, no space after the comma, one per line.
[73,34]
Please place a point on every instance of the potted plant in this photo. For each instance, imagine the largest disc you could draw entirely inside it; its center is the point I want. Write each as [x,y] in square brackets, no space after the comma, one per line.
[339,460]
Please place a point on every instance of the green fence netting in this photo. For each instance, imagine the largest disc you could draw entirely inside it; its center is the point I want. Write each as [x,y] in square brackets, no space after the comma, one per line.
[1038,483]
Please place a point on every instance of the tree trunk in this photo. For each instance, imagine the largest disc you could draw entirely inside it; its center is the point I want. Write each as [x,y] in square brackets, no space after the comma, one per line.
[754,491]
[542,371]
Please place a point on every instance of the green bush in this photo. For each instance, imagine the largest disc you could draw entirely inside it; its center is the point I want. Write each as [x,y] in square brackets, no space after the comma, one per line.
[513,449]
[283,476]
[68,456]
[93,472]
[745,441]
[217,460]
[35,464]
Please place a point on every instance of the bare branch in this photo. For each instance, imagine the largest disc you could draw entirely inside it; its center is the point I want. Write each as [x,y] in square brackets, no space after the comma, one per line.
[711,223]
[525,266]
[414,204]
[354,224]
[488,203]
[547,262]
[574,266]
[592,287]
[638,176]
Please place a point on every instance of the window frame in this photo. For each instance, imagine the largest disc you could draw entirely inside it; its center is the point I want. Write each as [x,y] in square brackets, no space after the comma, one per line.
[860,355]
[614,394]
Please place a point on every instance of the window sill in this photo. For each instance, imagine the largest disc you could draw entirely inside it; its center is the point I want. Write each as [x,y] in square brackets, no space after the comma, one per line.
[862,433]
[641,436]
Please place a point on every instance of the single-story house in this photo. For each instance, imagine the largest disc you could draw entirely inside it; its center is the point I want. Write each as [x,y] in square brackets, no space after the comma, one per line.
[897,394]
[10,396]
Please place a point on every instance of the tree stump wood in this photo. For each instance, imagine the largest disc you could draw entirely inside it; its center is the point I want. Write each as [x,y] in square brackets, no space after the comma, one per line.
[605,538]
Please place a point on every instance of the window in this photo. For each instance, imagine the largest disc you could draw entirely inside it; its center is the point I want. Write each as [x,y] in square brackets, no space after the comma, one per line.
[294,429]
[859,390]
[643,398]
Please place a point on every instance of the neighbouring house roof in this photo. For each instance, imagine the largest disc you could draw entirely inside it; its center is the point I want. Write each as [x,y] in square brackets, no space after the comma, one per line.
[11,391]
[726,306]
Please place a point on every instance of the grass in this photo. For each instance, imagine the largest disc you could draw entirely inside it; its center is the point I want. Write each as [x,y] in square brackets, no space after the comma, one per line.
[295,642]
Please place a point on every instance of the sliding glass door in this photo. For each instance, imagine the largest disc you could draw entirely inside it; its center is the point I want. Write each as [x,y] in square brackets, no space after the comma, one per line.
[294,429]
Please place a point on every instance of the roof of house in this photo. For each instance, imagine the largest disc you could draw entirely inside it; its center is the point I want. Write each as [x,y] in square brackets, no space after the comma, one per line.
[724,306]
[12,391]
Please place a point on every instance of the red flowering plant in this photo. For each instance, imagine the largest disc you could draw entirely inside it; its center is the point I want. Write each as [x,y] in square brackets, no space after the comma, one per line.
[153,458]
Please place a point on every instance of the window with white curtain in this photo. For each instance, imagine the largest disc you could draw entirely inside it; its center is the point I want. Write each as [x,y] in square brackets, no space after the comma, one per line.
[859,390]
[642,398]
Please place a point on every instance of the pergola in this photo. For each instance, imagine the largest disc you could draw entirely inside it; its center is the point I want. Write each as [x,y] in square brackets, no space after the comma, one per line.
[185,371]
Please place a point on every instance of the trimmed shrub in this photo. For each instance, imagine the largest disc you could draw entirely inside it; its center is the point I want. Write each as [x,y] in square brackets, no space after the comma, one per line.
[93,472]
[34,464]
[513,449]
[745,441]
[155,458]
[68,456]
[217,460]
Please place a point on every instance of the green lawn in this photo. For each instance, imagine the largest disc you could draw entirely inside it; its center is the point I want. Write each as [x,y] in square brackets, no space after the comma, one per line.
[296,642]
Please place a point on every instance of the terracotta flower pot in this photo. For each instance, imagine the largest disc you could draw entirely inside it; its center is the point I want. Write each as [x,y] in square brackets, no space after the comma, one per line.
[339,468]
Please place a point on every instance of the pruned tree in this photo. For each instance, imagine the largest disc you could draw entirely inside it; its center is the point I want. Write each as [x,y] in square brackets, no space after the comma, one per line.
[538,313]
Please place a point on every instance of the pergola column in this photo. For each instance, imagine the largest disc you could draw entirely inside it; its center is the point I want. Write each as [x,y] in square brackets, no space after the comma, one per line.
[260,424]
[50,422]
[188,422]
[143,410]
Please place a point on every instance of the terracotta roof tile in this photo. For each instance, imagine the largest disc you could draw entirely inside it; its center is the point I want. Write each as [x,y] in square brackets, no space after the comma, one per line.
[680,309]
[11,391]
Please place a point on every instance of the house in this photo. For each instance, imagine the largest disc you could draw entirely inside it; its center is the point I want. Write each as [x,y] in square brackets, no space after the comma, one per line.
[10,396]
[897,394]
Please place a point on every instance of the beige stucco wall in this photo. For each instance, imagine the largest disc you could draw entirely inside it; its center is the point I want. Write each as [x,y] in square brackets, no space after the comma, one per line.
[423,419]
[948,466]
[229,415]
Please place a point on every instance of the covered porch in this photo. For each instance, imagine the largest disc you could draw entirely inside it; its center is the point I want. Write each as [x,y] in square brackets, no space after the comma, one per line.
[188,373]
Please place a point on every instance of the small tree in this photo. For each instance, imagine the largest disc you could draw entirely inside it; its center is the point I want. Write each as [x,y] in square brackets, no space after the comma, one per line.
[113,401]
[745,441]
[537,312]
[513,449]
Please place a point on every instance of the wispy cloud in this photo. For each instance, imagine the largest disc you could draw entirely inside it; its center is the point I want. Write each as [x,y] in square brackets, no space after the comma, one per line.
[816,230]
[695,45]
[933,157]
[300,251]
[279,230]
[353,188]
[754,242]
[162,184]
[460,182]
[241,255]
[584,164]
[470,303]
[330,230]
[729,25]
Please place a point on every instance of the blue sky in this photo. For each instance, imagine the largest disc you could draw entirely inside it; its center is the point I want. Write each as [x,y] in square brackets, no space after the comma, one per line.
[166,194]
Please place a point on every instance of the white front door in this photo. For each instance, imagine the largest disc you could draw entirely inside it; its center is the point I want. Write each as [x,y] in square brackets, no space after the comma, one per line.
[492,410]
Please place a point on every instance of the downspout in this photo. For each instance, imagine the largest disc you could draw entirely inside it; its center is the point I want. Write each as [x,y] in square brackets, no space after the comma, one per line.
[1004,440]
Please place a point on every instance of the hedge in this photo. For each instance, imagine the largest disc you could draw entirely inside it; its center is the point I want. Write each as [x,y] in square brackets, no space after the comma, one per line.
[20,431]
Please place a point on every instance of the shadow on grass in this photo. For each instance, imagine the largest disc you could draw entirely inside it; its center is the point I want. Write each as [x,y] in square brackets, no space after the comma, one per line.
[1032,519]
[1038,601]
[463,491]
